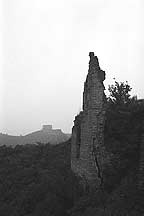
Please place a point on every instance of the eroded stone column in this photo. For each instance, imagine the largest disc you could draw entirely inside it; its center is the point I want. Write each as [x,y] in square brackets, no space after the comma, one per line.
[88,130]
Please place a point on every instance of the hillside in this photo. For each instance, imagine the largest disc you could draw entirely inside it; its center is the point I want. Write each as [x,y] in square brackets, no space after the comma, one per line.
[119,194]
[46,135]
[35,180]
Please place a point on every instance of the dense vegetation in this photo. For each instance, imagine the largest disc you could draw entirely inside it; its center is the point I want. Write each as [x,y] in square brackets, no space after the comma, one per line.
[123,132]
[118,195]
[36,180]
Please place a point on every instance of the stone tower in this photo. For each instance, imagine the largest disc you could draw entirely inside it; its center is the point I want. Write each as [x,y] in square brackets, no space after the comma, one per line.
[87,133]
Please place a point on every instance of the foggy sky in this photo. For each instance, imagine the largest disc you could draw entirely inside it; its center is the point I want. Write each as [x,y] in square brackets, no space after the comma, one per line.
[44,56]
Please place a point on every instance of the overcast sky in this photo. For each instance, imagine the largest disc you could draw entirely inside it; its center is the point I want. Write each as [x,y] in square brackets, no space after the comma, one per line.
[44,56]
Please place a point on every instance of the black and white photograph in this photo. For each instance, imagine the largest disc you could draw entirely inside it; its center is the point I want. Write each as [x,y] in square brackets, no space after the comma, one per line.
[71,108]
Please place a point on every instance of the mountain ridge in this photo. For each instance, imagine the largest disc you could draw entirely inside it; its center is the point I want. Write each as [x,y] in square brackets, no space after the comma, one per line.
[46,135]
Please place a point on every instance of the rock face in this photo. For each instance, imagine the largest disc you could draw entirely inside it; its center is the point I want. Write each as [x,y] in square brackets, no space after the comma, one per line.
[87,134]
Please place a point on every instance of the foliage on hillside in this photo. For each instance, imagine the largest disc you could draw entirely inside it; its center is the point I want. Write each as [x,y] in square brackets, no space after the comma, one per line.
[123,130]
[35,180]
[122,136]
[124,201]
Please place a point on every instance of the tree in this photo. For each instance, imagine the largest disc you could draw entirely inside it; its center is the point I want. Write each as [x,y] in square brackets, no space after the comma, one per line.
[119,93]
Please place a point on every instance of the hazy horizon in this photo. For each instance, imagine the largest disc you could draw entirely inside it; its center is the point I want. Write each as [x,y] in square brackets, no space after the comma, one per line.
[44,57]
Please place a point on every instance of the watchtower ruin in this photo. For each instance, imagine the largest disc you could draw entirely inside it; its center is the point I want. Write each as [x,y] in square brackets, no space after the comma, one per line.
[87,133]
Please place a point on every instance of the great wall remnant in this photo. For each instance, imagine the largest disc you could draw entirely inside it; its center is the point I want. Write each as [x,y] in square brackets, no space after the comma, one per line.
[87,143]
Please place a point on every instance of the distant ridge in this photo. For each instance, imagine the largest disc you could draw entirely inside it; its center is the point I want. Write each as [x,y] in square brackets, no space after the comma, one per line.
[46,135]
